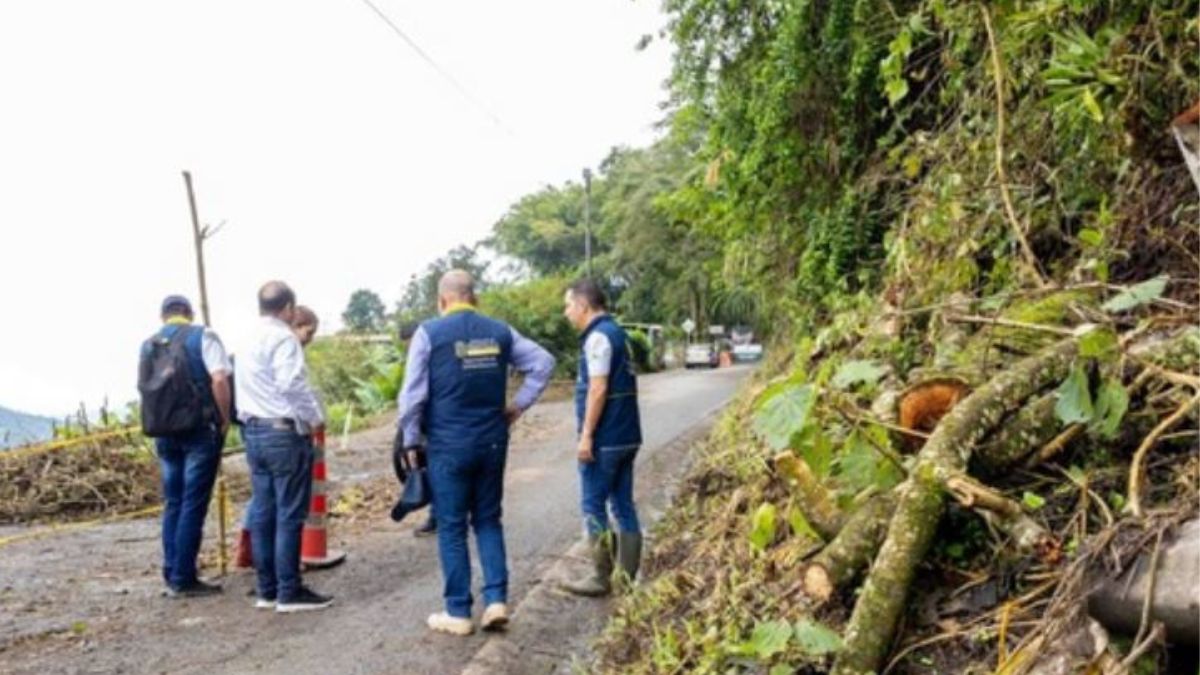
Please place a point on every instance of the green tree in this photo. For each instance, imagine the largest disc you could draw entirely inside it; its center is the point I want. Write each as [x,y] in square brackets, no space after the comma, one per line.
[419,300]
[544,230]
[364,313]
[535,309]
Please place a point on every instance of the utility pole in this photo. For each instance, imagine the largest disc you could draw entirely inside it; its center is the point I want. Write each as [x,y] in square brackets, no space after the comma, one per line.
[199,234]
[587,219]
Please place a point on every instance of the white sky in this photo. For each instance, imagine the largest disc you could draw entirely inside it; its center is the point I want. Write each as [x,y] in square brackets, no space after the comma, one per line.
[339,159]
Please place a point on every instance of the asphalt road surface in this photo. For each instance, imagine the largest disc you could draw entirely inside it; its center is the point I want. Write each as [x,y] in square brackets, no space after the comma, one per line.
[91,601]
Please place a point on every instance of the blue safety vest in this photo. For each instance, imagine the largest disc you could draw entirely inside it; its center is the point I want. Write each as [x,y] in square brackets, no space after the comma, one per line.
[468,377]
[620,424]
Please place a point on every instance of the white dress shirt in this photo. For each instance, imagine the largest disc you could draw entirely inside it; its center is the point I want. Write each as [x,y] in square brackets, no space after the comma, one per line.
[271,379]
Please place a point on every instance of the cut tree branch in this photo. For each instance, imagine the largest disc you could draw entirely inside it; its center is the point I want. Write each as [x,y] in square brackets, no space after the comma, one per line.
[1134,500]
[920,501]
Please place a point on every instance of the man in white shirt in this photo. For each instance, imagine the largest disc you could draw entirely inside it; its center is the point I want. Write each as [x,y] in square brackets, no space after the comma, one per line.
[278,407]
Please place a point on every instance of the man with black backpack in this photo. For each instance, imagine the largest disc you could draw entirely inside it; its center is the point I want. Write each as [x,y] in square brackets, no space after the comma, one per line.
[183,378]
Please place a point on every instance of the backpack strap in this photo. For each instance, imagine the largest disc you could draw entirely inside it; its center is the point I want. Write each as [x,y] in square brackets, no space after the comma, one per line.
[194,347]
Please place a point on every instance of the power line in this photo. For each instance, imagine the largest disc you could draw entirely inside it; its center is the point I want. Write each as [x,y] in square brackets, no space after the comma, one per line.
[434,64]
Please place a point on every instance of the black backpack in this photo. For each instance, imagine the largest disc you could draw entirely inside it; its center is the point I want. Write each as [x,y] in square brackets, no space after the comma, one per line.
[173,400]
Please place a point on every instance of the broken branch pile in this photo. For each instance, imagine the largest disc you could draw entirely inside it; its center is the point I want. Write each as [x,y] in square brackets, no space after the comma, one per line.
[76,483]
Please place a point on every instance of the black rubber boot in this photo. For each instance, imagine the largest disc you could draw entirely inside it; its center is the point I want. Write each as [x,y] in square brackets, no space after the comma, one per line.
[599,582]
[629,556]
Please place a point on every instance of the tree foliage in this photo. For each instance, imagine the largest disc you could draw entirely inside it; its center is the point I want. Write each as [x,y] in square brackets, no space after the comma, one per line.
[419,301]
[364,313]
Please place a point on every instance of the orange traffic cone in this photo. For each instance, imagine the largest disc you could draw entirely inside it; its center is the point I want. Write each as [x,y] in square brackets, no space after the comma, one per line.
[314,550]
[245,555]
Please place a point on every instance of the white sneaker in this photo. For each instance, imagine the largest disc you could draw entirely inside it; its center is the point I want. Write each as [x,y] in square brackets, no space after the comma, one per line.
[495,616]
[444,623]
[262,603]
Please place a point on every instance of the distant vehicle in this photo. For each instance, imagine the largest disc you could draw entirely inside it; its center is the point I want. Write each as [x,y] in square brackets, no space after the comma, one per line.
[700,355]
[745,349]
[747,353]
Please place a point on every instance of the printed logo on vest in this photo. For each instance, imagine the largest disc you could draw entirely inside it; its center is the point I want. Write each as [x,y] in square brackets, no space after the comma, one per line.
[478,354]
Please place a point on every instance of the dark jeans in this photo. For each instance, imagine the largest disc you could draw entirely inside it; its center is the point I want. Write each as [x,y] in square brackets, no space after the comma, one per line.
[281,477]
[189,468]
[469,483]
[608,481]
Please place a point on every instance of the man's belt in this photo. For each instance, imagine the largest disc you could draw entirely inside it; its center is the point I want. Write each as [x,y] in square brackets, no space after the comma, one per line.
[280,423]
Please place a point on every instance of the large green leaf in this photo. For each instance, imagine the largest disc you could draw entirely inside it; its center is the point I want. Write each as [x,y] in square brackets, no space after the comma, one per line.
[770,638]
[784,414]
[816,639]
[1137,295]
[1074,399]
[815,449]
[762,527]
[861,465]
[1111,403]
[858,372]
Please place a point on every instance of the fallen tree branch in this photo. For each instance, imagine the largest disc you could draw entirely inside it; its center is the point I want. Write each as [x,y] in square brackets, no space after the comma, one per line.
[816,501]
[1152,579]
[1134,500]
[1157,635]
[868,634]
[1055,445]
[851,551]
[1005,514]
[1032,426]
[857,415]
[1010,323]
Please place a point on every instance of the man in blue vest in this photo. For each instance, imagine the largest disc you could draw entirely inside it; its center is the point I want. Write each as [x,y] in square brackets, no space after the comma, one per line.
[190,457]
[455,385]
[610,433]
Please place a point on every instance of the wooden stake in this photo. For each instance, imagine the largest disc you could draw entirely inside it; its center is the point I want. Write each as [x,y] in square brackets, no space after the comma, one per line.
[198,236]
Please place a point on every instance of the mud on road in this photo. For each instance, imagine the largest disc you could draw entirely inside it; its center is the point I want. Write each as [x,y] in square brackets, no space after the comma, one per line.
[91,601]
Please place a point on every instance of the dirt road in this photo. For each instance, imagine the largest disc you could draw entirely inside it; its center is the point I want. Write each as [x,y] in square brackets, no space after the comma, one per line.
[91,601]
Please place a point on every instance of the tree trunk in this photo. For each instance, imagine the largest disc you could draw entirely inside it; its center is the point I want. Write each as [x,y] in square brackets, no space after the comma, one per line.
[868,635]
[851,551]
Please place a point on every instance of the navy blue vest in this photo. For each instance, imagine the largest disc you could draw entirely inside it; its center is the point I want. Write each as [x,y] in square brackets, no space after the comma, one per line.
[468,378]
[620,425]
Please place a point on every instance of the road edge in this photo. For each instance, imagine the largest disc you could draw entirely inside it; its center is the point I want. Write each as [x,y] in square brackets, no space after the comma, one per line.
[509,652]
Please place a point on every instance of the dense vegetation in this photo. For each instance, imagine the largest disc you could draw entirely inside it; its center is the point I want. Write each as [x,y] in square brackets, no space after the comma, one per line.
[917,198]
[969,233]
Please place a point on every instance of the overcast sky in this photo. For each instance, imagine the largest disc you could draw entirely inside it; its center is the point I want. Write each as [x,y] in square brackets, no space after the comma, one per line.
[339,159]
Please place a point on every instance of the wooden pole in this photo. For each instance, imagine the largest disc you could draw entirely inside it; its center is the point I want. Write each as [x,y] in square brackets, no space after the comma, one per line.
[198,235]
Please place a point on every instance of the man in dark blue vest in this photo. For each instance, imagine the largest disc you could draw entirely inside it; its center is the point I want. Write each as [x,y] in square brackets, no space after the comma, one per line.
[189,457]
[453,408]
[610,433]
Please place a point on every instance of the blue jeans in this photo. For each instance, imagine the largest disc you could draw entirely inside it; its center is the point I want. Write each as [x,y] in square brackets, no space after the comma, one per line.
[606,481]
[470,482]
[281,477]
[189,468]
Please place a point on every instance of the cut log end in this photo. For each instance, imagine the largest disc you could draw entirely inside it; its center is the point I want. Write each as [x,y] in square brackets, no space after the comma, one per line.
[924,404]
[818,584]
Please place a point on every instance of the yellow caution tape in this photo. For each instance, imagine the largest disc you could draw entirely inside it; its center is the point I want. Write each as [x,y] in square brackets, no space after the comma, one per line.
[82,525]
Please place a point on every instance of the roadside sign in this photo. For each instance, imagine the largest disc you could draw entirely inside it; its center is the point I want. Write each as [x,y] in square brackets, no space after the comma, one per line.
[688,326]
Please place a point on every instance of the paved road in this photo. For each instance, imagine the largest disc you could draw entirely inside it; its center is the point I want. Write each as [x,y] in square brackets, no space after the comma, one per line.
[89,602]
